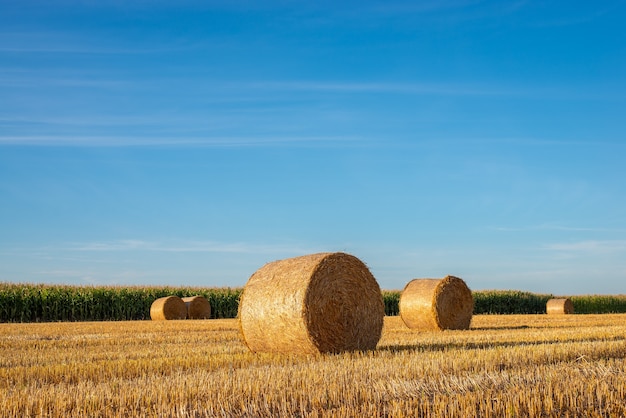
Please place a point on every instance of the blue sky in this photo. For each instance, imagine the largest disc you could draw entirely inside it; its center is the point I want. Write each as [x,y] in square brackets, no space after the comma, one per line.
[191,142]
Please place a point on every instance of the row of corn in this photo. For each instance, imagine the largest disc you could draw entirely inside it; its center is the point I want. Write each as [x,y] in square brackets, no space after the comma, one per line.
[22,302]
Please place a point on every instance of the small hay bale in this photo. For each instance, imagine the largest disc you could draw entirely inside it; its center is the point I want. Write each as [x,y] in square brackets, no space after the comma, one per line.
[317,303]
[169,307]
[559,306]
[436,304]
[197,307]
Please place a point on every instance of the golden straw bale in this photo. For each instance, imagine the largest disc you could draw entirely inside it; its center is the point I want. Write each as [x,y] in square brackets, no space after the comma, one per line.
[559,306]
[317,303]
[437,304]
[169,307]
[197,307]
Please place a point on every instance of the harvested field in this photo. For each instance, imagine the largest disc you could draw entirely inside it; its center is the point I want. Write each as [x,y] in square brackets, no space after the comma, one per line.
[203,368]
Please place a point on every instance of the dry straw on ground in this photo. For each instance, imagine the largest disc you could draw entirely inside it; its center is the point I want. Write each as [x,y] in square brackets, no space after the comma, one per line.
[559,306]
[169,307]
[437,304]
[197,307]
[317,303]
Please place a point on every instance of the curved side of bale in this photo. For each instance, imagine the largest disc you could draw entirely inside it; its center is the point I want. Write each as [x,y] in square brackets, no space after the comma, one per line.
[271,306]
[197,307]
[317,303]
[168,307]
[559,306]
[437,304]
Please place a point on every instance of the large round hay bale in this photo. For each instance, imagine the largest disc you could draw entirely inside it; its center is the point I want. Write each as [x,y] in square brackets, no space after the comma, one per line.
[318,303]
[559,306]
[437,304]
[169,307]
[197,307]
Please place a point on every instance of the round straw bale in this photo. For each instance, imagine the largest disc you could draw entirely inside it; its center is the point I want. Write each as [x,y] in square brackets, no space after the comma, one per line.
[559,306]
[437,304]
[197,307]
[317,303]
[169,307]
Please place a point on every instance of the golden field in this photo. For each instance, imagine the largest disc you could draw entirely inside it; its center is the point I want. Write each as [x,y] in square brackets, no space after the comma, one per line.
[505,366]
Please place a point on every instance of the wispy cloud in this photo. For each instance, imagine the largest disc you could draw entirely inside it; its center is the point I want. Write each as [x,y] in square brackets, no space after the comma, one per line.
[187,246]
[451,12]
[185,141]
[404,7]
[469,88]
[409,88]
[227,88]
[94,277]
[600,246]
[255,90]
[60,42]
[71,251]
[454,12]
[549,227]
[575,17]
[70,78]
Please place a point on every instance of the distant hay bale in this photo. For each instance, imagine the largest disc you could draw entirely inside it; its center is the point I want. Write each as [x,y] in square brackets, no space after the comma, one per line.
[317,303]
[436,304]
[169,307]
[559,306]
[197,307]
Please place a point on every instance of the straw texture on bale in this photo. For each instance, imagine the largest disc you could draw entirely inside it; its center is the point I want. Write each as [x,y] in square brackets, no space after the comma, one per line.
[317,303]
[559,306]
[437,304]
[169,307]
[197,307]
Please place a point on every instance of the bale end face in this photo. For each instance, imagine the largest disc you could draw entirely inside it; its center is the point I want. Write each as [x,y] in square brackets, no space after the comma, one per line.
[168,308]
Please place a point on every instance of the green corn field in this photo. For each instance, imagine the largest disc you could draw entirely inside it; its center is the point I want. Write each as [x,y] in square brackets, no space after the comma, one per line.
[46,303]
[509,302]
[51,303]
